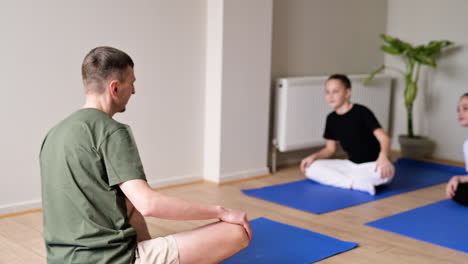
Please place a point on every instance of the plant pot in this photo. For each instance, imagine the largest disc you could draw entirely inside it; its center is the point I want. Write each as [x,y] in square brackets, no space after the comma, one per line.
[416,147]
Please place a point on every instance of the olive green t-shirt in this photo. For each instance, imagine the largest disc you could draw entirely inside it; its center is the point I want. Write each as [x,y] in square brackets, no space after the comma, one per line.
[83,159]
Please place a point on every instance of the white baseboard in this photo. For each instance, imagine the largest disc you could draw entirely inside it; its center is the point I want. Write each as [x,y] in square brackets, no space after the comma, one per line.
[20,207]
[238,175]
[36,204]
[174,180]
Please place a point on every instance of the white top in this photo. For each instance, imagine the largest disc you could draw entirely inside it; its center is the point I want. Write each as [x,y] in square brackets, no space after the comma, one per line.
[465,150]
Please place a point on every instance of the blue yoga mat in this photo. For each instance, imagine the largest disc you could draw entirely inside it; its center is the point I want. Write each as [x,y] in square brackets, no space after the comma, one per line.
[275,242]
[313,197]
[443,223]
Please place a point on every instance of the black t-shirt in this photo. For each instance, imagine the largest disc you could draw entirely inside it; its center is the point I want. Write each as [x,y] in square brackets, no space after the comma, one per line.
[355,132]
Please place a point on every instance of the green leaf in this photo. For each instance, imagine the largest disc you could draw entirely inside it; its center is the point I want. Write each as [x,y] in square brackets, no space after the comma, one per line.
[411,53]
[420,48]
[391,50]
[388,38]
[405,45]
[372,75]
[441,43]
[396,43]
[434,47]
[421,58]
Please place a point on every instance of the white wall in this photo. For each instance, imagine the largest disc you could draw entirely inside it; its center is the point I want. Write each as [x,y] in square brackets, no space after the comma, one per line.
[237,89]
[42,47]
[420,21]
[246,88]
[323,37]
[43,44]
[213,90]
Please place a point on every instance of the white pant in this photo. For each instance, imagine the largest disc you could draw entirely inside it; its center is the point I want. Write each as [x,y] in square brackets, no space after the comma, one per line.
[345,174]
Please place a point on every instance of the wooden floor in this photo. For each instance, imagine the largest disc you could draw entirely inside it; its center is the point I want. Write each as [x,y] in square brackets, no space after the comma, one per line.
[21,236]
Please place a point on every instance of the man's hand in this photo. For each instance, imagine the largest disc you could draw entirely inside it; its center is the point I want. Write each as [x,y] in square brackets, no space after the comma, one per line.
[386,167]
[452,186]
[236,217]
[305,163]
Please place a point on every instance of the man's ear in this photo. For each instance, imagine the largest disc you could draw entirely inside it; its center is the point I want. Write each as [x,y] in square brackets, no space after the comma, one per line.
[113,87]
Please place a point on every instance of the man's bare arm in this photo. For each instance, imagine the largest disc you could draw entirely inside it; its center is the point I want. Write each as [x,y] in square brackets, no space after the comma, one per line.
[151,203]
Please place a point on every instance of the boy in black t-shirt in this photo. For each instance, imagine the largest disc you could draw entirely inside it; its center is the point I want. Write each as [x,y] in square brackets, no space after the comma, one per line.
[360,135]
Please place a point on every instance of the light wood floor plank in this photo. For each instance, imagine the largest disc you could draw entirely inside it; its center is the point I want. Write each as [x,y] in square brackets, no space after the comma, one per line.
[11,252]
[21,236]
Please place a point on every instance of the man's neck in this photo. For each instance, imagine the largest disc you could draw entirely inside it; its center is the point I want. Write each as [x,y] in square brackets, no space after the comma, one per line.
[98,103]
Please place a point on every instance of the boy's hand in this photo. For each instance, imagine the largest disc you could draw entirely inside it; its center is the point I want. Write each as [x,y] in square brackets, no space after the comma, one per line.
[305,163]
[452,186]
[386,167]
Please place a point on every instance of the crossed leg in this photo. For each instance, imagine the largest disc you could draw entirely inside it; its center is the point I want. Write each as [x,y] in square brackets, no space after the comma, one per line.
[207,244]
[211,243]
[332,172]
[346,174]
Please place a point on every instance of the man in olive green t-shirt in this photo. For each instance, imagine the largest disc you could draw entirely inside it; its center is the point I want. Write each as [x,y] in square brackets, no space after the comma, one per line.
[95,192]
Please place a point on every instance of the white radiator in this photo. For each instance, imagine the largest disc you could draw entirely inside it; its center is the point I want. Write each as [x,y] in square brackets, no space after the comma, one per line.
[301,109]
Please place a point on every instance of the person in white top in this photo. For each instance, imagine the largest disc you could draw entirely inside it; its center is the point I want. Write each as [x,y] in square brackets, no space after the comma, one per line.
[457,187]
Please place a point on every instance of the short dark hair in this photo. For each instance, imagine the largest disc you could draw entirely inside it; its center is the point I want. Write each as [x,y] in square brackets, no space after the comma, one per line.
[102,62]
[341,77]
[465,95]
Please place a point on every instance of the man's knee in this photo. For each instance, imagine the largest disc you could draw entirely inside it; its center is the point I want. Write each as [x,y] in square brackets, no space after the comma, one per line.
[239,236]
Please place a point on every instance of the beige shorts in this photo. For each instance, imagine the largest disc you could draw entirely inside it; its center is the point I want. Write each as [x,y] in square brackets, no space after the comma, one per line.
[161,250]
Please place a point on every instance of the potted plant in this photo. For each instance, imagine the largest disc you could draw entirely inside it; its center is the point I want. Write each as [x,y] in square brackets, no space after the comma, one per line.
[414,58]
